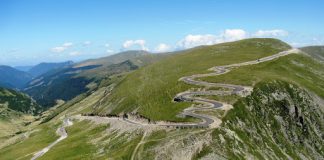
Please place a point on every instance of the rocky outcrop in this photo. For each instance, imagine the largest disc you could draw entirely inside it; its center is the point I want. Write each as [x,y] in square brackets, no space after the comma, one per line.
[278,120]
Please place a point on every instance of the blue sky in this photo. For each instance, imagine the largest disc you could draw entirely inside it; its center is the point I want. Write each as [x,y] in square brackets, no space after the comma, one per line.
[33,31]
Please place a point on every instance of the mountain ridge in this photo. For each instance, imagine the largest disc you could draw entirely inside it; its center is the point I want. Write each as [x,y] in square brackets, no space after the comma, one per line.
[13,78]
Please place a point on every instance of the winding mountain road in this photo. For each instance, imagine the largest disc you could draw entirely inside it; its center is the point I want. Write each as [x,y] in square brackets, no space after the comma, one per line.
[226,89]
[60,131]
[190,96]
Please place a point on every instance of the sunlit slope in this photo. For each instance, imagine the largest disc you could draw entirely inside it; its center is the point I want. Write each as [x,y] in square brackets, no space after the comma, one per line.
[295,68]
[18,101]
[16,111]
[317,52]
[279,120]
[68,82]
[151,89]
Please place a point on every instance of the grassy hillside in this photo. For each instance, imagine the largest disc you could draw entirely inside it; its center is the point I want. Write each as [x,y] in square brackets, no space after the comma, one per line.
[15,112]
[18,101]
[317,52]
[150,90]
[299,69]
[281,119]
[136,58]
[278,120]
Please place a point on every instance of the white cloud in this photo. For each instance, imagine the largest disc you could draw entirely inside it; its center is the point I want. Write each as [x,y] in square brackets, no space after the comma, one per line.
[68,44]
[227,35]
[162,48]
[233,35]
[133,43]
[62,48]
[271,33]
[58,49]
[191,41]
[75,53]
[110,51]
[196,40]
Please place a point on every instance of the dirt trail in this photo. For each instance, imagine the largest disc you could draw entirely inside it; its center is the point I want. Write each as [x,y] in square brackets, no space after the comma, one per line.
[138,145]
[60,131]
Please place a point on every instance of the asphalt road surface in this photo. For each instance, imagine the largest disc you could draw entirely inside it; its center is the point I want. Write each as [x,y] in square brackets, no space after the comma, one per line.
[231,89]
[226,89]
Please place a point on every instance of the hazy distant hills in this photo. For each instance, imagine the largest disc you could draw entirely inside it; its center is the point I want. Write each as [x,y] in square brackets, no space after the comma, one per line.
[315,51]
[23,68]
[45,67]
[13,78]
[18,77]
[47,82]
[42,67]
[67,82]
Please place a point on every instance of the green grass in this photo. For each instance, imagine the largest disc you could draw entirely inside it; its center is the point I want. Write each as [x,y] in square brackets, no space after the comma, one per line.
[18,101]
[229,99]
[42,137]
[317,52]
[84,141]
[261,129]
[78,144]
[293,68]
[152,88]
[205,151]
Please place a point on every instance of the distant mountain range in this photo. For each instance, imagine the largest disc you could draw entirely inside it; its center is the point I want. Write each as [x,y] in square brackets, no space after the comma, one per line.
[67,82]
[48,82]
[45,67]
[18,77]
[23,68]
[13,78]
[42,67]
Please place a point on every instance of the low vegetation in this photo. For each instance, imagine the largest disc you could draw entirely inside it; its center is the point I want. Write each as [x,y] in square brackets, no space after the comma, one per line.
[281,119]
[150,90]
[18,101]
[317,52]
[299,69]
[278,120]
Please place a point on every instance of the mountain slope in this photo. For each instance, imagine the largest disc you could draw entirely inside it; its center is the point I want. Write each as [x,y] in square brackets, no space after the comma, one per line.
[281,119]
[13,78]
[45,67]
[278,120]
[151,89]
[316,52]
[23,68]
[18,101]
[15,111]
[136,56]
[66,83]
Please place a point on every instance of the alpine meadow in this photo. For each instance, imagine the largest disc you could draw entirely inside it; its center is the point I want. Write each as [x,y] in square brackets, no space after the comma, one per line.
[161,80]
